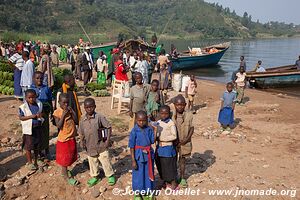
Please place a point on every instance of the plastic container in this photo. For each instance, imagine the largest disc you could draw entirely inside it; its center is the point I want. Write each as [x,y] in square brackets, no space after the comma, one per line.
[177,82]
[185,82]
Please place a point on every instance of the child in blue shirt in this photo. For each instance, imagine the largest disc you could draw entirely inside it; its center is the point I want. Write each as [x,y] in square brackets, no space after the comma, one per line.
[44,95]
[226,114]
[142,155]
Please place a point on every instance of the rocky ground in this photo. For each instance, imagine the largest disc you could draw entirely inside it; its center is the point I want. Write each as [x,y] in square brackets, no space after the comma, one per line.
[262,152]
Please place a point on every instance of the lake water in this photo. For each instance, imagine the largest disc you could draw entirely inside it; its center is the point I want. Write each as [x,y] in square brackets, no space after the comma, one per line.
[272,52]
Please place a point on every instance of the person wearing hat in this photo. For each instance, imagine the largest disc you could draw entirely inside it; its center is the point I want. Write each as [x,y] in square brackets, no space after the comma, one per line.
[17,62]
[87,66]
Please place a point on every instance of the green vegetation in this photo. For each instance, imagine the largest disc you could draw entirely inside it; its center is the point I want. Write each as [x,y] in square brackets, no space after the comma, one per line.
[57,21]
[92,86]
[6,79]
[59,74]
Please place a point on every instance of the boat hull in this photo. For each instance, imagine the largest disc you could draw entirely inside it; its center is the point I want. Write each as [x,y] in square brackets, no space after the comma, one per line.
[195,62]
[106,48]
[276,81]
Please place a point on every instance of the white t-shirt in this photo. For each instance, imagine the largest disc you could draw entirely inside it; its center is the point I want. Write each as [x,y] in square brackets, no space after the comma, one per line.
[240,81]
[27,74]
[260,69]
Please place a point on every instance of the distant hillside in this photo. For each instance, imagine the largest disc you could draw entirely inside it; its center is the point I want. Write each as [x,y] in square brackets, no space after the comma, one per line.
[111,18]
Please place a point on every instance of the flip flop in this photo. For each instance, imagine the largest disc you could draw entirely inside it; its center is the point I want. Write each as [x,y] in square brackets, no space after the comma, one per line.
[148,197]
[41,163]
[31,167]
[73,181]
[69,174]
[93,181]
[183,183]
[137,197]
[111,180]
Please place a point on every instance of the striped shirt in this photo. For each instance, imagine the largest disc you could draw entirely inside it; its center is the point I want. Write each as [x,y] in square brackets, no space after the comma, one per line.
[17,60]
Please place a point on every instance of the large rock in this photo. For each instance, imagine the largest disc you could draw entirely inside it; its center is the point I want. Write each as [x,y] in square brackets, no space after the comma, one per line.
[5,140]
[95,193]
[13,182]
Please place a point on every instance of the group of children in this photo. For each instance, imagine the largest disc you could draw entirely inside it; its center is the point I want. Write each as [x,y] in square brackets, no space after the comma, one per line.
[93,128]
[171,135]
[153,124]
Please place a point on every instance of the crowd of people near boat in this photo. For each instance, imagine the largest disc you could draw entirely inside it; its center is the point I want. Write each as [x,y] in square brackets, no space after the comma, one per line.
[152,122]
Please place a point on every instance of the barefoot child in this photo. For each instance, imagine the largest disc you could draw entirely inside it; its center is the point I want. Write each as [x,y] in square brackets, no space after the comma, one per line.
[153,101]
[166,150]
[184,123]
[30,114]
[226,114]
[95,132]
[138,97]
[45,96]
[66,151]
[190,92]
[68,87]
[140,140]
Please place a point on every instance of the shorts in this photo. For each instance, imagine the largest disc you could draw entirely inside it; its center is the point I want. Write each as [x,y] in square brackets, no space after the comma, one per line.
[32,142]
[185,150]
[191,97]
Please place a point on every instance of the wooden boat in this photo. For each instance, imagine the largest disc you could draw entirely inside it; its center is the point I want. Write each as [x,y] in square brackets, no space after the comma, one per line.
[283,76]
[137,45]
[196,59]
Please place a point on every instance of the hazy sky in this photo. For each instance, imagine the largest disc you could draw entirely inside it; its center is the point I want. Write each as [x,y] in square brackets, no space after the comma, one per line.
[265,10]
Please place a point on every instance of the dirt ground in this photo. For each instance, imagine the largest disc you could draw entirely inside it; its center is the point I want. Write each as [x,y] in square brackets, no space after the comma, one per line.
[262,152]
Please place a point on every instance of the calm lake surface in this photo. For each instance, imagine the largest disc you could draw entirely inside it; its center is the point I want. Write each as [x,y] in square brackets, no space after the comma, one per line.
[272,52]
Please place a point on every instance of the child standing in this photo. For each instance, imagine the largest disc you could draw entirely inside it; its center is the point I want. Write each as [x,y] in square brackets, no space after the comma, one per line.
[66,151]
[140,140]
[226,114]
[166,150]
[164,81]
[30,114]
[45,96]
[190,92]
[153,101]
[240,85]
[68,88]
[184,123]
[138,97]
[95,132]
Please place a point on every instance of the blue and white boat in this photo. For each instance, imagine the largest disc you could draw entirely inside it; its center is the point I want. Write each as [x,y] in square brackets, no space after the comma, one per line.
[283,76]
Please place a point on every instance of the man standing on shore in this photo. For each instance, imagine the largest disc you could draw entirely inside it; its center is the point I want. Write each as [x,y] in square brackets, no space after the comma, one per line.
[243,63]
[298,63]
[87,65]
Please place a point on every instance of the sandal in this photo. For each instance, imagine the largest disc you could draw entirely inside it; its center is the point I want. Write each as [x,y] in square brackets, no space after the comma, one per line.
[137,197]
[31,166]
[69,173]
[93,181]
[41,163]
[148,197]
[183,183]
[111,180]
[73,181]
